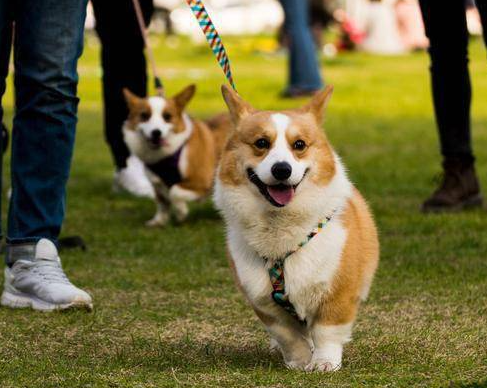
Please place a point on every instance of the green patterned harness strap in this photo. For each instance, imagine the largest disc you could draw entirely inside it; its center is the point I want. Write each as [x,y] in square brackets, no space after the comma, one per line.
[276,273]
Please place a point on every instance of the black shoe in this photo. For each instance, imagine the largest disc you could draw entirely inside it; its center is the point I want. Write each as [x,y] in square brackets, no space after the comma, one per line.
[459,189]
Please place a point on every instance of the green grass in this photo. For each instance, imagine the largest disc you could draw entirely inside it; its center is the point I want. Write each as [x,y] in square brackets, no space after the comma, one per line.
[167,313]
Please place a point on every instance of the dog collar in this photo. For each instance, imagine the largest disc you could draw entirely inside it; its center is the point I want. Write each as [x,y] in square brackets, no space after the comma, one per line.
[276,272]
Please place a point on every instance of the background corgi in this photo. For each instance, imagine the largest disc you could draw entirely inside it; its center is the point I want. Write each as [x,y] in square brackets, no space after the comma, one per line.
[278,180]
[179,153]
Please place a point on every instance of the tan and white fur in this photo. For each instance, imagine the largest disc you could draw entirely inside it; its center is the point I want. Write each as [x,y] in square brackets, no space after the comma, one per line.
[327,278]
[157,128]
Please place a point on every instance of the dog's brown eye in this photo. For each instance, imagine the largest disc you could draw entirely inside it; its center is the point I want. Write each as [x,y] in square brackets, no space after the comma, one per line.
[167,116]
[145,116]
[262,144]
[299,145]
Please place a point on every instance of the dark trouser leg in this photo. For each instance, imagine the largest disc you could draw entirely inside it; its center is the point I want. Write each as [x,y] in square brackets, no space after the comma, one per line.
[46,49]
[5,44]
[304,70]
[482,7]
[446,27]
[123,64]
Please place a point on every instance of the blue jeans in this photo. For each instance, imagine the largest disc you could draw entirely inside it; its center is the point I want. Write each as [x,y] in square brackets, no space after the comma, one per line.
[48,43]
[304,74]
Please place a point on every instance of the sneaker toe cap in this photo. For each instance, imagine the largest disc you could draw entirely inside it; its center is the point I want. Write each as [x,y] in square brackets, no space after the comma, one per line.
[66,294]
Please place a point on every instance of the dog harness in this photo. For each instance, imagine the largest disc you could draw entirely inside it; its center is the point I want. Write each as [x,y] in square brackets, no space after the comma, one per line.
[168,169]
[276,273]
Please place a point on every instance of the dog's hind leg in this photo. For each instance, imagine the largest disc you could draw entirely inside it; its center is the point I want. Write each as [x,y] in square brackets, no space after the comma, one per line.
[179,198]
[161,217]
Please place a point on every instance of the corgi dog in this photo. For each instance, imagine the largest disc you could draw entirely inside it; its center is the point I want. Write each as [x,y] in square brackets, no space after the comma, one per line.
[180,153]
[302,242]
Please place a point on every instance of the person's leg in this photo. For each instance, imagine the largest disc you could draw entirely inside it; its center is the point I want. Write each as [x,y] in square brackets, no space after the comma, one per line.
[304,72]
[446,28]
[5,45]
[482,8]
[48,42]
[124,65]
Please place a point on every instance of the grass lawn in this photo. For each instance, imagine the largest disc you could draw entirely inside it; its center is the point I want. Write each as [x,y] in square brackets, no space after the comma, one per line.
[167,313]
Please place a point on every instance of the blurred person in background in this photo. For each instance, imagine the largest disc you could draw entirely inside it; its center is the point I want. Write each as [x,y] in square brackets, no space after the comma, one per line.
[319,19]
[382,30]
[48,42]
[411,28]
[446,27]
[304,71]
[124,66]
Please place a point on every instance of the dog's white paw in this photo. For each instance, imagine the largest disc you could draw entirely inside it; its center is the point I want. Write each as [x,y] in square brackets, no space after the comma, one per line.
[181,211]
[274,346]
[180,216]
[323,365]
[158,221]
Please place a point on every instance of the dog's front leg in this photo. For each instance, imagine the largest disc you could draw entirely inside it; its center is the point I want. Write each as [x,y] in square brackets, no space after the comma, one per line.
[288,336]
[328,341]
[331,329]
[179,197]
[162,216]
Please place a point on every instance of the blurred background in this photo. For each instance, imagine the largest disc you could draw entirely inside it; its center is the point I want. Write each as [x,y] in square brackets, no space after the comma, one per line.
[167,311]
[385,27]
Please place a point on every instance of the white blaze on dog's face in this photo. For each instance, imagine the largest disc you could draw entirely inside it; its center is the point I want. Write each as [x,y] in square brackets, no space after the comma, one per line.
[160,122]
[275,152]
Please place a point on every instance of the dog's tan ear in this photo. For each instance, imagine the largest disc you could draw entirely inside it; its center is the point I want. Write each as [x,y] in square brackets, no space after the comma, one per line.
[184,96]
[236,105]
[319,102]
[133,102]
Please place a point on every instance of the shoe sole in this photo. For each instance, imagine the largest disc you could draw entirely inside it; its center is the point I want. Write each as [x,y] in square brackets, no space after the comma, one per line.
[19,301]
[470,203]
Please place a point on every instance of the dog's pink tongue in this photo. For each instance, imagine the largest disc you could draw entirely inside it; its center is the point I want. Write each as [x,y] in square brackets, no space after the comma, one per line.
[281,196]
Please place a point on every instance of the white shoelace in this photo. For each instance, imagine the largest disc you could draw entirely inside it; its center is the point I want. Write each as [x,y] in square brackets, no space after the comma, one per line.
[50,271]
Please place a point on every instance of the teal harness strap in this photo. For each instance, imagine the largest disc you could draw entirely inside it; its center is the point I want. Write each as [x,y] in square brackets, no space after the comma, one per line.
[276,274]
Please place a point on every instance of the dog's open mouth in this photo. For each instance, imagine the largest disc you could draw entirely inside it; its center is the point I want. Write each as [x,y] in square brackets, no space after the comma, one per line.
[278,195]
[156,143]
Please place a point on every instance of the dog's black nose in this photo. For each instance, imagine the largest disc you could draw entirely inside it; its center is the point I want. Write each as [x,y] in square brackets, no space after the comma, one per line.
[281,170]
[156,134]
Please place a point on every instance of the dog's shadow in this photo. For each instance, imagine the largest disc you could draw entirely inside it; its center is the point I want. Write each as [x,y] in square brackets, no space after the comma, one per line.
[202,211]
[188,356]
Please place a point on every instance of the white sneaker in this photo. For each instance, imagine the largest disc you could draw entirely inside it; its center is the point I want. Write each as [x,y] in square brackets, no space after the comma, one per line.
[40,282]
[132,179]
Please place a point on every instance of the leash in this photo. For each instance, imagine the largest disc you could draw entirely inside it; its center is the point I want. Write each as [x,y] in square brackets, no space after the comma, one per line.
[276,272]
[150,54]
[212,36]
[208,28]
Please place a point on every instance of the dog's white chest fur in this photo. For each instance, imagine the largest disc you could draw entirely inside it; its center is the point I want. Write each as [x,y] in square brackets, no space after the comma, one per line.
[253,235]
[308,272]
